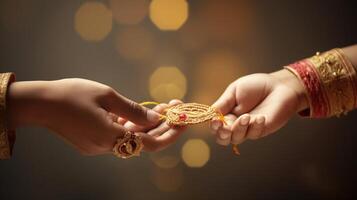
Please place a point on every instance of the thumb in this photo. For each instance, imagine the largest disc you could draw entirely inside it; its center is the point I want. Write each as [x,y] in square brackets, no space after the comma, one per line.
[130,110]
[226,102]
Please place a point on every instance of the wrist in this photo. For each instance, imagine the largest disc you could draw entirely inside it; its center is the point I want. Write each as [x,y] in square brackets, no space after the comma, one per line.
[290,80]
[27,103]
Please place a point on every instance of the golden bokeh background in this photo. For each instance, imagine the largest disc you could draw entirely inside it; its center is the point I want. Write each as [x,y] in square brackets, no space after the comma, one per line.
[195,153]
[157,50]
[93,21]
[168,15]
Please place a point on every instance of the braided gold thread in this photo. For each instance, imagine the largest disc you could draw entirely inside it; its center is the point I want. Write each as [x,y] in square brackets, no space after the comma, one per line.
[190,114]
[195,113]
[336,78]
[5,147]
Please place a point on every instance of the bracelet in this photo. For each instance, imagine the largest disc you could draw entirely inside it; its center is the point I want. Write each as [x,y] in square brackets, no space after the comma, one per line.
[7,137]
[330,83]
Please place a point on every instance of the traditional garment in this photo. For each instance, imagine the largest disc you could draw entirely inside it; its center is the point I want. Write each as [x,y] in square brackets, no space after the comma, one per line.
[7,137]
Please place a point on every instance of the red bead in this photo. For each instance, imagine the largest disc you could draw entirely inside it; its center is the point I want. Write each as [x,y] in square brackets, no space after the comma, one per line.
[182,117]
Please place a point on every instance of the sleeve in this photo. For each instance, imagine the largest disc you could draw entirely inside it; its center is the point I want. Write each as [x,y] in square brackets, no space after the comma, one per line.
[7,137]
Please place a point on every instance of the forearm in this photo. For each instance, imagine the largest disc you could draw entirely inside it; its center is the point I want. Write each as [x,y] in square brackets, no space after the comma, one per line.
[290,80]
[351,54]
[27,103]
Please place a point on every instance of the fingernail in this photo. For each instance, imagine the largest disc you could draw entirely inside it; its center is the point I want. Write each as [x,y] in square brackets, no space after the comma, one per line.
[260,119]
[129,125]
[229,122]
[152,116]
[244,121]
[215,125]
[224,136]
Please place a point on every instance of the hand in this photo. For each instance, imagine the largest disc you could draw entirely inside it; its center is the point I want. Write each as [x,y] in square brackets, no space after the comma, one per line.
[158,136]
[82,112]
[257,105]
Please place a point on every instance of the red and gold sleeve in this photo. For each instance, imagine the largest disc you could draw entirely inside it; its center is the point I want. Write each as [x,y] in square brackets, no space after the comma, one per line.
[330,83]
[7,137]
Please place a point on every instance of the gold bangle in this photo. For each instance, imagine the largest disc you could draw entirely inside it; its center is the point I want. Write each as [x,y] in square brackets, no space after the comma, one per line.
[128,146]
[337,76]
[7,137]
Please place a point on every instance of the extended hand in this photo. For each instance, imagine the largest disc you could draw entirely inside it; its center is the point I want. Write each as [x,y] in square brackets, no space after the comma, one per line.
[257,105]
[84,113]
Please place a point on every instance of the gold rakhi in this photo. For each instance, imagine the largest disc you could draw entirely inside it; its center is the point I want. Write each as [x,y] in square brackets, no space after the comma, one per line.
[191,113]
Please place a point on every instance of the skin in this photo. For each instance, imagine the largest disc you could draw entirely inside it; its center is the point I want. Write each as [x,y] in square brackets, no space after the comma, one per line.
[88,115]
[91,116]
[258,105]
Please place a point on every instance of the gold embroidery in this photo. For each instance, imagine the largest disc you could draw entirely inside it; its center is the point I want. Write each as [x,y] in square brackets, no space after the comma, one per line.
[336,78]
[5,149]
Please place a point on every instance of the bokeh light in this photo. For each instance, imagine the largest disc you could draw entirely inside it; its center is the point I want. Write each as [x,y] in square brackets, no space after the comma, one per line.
[168,180]
[129,11]
[135,43]
[169,14]
[167,83]
[165,161]
[215,70]
[195,153]
[93,21]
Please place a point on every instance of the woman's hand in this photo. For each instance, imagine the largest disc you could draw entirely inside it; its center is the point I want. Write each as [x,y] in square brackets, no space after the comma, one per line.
[84,113]
[257,105]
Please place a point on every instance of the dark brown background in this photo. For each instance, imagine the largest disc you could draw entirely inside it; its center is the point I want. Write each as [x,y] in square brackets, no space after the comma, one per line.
[307,159]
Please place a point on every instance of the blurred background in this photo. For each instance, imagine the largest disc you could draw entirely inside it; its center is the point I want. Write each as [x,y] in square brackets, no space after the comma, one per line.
[186,49]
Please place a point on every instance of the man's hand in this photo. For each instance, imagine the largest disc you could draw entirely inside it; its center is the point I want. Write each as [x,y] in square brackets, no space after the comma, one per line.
[84,113]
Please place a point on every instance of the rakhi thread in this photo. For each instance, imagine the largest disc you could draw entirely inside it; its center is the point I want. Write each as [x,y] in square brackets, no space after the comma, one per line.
[189,114]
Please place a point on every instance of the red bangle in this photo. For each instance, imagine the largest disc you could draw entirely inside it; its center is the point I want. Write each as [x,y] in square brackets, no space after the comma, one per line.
[330,82]
[310,78]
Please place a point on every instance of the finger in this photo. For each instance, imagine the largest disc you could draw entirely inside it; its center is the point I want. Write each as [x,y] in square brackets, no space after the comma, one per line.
[161,108]
[224,133]
[139,128]
[129,109]
[226,101]
[214,125]
[158,143]
[121,121]
[113,117]
[113,132]
[248,96]
[174,102]
[224,137]
[162,128]
[256,127]
[239,129]
[276,114]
